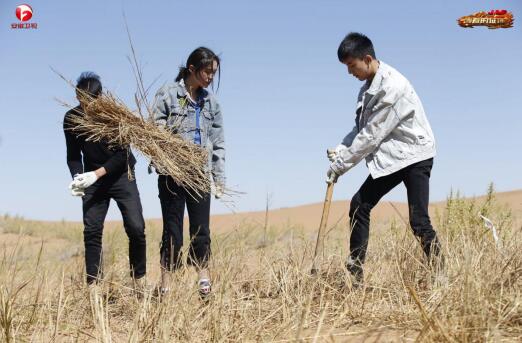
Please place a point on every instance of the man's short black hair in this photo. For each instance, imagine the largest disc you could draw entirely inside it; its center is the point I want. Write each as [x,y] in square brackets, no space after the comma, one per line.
[355,45]
[89,83]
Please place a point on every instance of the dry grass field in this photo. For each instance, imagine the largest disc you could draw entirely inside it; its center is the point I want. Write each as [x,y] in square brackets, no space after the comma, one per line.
[262,288]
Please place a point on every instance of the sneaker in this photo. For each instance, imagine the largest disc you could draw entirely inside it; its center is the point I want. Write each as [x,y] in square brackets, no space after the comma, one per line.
[356,271]
[95,292]
[94,287]
[204,288]
[140,287]
[163,291]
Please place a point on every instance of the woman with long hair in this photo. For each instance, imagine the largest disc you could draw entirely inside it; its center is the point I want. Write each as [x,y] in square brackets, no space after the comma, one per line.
[187,108]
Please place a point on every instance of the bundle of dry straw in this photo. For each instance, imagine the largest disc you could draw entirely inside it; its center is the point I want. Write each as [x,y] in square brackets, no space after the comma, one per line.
[109,120]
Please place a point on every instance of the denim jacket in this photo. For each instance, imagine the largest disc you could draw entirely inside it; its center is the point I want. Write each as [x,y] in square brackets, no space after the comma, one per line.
[173,109]
[391,129]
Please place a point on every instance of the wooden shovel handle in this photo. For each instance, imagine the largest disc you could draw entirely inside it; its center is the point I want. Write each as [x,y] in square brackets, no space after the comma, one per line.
[322,227]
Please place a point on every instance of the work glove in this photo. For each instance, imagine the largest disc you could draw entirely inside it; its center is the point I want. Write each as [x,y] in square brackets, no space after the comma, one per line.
[333,153]
[85,180]
[337,168]
[331,176]
[219,191]
[76,191]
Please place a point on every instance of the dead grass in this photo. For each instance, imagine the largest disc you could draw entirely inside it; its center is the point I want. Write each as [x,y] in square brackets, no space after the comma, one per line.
[108,119]
[264,292]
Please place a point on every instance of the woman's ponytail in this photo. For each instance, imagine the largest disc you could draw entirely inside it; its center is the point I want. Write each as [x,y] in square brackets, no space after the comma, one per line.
[182,74]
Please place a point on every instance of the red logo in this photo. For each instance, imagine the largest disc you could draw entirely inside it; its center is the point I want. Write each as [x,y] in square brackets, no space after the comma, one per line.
[493,19]
[24,12]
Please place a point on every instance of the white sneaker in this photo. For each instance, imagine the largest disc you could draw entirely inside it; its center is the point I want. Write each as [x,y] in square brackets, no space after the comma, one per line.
[204,288]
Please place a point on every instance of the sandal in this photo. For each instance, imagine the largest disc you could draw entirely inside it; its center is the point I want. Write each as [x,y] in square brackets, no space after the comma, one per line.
[204,288]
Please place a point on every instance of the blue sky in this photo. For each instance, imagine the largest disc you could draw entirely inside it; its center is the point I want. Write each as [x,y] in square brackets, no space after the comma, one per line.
[285,96]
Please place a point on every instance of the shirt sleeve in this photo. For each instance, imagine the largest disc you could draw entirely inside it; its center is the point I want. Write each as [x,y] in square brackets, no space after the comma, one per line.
[217,137]
[161,107]
[348,139]
[74,153]
[117,163]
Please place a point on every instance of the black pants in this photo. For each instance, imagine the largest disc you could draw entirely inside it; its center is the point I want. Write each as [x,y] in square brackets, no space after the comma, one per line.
[416,179]
[173,199]
[95,206]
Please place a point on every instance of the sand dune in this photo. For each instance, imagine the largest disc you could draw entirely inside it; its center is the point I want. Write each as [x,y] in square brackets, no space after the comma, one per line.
[308,216]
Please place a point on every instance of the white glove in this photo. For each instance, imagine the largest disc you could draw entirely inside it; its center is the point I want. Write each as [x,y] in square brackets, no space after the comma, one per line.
[331,176]
[219,191]
[85,180]
[337,168]
[76,191]
[334,153]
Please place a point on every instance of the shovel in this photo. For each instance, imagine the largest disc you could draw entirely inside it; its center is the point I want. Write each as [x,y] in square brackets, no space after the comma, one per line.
[322,228]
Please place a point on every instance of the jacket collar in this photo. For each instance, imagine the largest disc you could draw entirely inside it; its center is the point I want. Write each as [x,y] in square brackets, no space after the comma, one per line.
[375,84]
[182,91]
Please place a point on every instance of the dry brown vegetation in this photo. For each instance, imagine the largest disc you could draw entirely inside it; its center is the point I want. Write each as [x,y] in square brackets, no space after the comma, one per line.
[262,287]
[109,120]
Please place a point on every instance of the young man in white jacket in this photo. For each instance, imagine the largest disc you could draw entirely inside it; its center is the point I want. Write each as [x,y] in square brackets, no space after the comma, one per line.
[393,134]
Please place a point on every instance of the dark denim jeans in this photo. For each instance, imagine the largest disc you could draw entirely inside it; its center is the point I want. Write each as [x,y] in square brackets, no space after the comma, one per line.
[416,179]
[173,199]
[95,206]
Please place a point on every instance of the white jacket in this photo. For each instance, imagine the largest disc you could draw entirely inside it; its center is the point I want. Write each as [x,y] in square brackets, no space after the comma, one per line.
[391,129]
